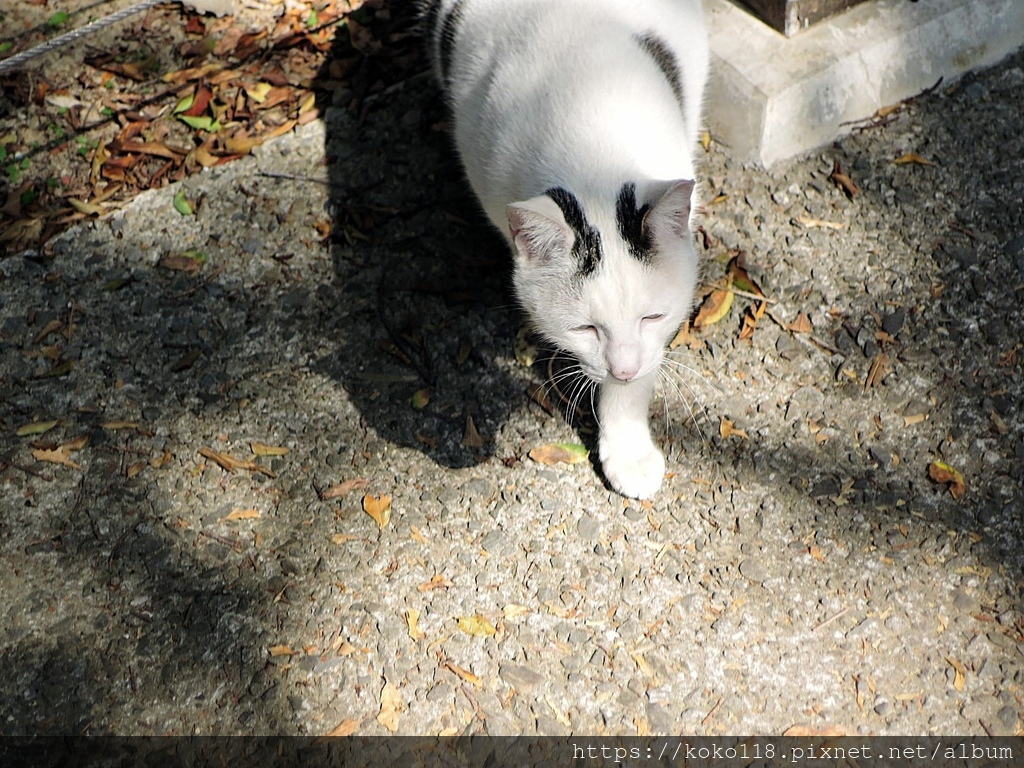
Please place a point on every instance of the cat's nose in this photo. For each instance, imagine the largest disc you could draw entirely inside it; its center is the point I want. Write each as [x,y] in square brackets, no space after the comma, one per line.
[624,374]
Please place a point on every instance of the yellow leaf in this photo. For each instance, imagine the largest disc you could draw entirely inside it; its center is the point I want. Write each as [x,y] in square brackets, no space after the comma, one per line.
[959,673]
[514,611]
[465,674]
[258,92]
[261,449]
[242,514]
[162,460]
[136,468]
[281,650]
[412,619]
[392,705]
[89,209]
[715,307]
[115,425]
[378,507]
[560,453]
[727,429]
[477,626]
[911,157]
[36,428]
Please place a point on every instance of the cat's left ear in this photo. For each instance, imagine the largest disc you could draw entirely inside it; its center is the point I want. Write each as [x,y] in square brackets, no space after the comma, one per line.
[538,229]
[669,218]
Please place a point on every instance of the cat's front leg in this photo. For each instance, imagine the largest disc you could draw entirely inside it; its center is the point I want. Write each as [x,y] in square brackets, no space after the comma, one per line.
[631,462]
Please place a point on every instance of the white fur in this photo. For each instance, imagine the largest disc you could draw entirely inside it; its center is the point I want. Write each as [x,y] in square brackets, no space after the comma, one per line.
[558,93]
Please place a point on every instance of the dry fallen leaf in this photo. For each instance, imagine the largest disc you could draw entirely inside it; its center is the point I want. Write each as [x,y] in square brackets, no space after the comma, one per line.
[230,463]
[878,370]
[378,507]
[843,181]
[802,324]
[471,438]
[412,620]
[62,453]
[392,705]
[261,449]
[36,428]
[340,490]
[438,582]
[911,157]
[281,650]
[514,611]
[477,626]
[727,429]
[959,673]
[812,223]
[241,514]
[941,472]
[559,453]
[344,728]
[465,674]
[715,307]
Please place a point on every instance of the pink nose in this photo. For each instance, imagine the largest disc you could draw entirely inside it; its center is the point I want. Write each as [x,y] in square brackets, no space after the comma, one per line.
[624,374]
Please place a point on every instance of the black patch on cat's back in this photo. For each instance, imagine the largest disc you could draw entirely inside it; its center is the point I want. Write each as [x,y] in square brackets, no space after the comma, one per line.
[449,27]
[587,247]
[630,221]
[656,48]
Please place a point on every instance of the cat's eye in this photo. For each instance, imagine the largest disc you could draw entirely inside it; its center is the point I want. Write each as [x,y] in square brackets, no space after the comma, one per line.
[653,318]
[585,329]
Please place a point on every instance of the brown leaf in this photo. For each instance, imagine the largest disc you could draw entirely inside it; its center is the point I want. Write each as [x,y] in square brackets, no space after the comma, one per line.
[378,507]
[802,324]
[465,674]
[959,673]
[341,490]
[843,181]
[181,263]
[344,728]
[438,582]
[281,650]
[878,370]
[941,472]
[471,438]
[62,453]
[230,463]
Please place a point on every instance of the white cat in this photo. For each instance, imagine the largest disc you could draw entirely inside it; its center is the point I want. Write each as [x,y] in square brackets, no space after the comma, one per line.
[577,123]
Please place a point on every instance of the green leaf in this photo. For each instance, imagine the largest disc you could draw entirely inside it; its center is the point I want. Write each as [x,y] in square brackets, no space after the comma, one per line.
[201,123]
[59,19]
[195,255]
[29,196]
[313,20]
[560,453]
[420,399]
[185,104]
[116,284]
[3,153]
[5,46]
[181,204]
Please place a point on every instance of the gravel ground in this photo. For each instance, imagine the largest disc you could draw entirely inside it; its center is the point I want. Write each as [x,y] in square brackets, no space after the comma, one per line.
[804,571]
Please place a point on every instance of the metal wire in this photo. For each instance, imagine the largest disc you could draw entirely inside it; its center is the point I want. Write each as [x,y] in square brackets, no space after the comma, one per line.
[19,59]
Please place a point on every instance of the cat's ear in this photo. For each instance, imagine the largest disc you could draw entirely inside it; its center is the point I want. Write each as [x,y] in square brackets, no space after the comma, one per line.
[538,229]
[669,218]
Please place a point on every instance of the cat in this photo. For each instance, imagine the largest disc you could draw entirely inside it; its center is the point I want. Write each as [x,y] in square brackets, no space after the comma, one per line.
[577,124]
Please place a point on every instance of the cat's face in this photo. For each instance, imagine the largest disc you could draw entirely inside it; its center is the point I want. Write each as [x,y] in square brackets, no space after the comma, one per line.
[611,289]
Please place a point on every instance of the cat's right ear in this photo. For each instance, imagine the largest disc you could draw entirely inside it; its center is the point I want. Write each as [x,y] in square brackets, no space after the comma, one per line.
[538,230]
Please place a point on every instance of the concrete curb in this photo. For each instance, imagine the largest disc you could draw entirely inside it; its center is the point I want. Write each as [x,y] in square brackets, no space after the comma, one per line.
[772,97]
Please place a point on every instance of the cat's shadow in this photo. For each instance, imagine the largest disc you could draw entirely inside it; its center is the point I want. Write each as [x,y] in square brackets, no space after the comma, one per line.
[423,336]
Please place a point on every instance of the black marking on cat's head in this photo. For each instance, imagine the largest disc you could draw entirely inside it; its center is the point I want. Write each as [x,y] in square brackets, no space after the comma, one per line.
[446,37]
[656,48]
[587,247]
[630,221]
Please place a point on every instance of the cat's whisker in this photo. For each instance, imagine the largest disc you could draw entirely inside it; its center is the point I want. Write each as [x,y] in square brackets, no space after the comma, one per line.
[668,378]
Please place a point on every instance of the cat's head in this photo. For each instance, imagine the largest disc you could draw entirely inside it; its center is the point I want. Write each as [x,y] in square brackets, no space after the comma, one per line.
[610,285]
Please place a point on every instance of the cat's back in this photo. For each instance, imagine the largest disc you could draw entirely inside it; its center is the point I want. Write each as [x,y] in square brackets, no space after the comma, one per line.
[541,90]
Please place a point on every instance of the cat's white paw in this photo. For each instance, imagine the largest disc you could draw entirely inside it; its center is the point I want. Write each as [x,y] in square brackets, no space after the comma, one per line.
[634,473]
